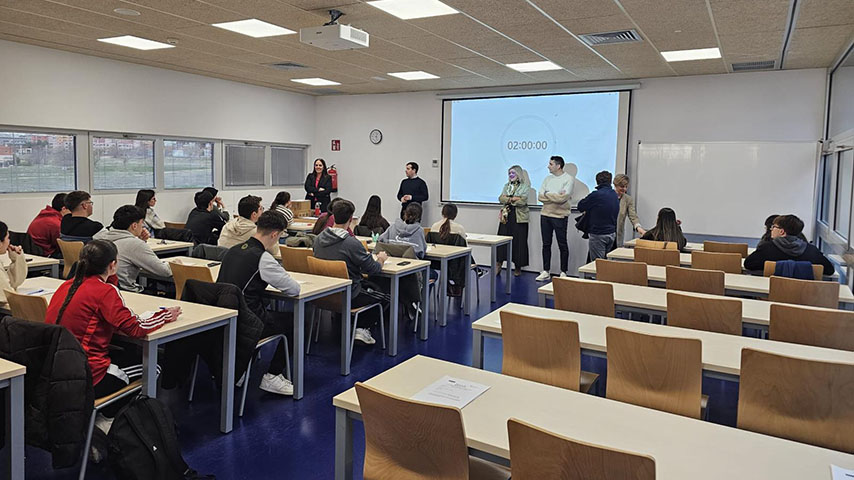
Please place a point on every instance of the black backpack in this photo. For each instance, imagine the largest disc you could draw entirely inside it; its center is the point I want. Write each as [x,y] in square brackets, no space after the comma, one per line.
[144,445]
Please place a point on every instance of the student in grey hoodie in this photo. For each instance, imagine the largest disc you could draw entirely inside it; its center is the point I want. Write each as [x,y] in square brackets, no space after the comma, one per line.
[786,244]
[408,230]
[240,228]
[127,233]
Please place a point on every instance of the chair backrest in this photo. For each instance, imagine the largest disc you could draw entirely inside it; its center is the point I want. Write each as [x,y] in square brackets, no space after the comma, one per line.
[541,350]
[295,259]
[725,262]
[695,280]
[70,254]
[803,400]
[664,373]
[209,252]
[538,454]
[177,225]
[652,256]
[820,328]
[409,439]
[721,315]
[28,307]
[328,268]
[656,245]
[814,293]
[632,273]
[584,296]
[725,247]
[426,231]
[181,273]
[403,250]
[26,242]
[770,267]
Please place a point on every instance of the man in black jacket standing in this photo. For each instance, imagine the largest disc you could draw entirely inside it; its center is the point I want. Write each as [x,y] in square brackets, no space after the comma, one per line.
[785,244]
[412,189]
[601,207]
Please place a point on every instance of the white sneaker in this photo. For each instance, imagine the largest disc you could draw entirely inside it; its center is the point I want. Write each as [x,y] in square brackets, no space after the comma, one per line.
[543,276]
[276,384]
[562,274]
[103,423]
[364,335]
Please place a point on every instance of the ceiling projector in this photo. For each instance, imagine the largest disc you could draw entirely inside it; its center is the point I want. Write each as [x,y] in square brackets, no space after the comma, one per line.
[333,36]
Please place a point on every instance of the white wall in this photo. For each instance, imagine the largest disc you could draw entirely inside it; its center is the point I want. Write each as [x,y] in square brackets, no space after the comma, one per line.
[54,89]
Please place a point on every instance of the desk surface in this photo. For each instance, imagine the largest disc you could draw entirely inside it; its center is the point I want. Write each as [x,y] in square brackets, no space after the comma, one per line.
[721,352]
[157,245]
[624,253]
[300,227]
[683,448]
[690,246]
[437,251]
[34,261]
[486,239]
[10,369]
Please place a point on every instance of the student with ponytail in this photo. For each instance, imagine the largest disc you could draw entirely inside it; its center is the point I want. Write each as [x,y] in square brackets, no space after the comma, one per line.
[447,225]
[92,309]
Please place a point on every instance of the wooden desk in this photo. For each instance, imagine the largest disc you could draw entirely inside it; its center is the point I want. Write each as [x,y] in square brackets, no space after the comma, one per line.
[734,283]
[170,247]
[493,242]
[721,352]
[690,246]
[12,382]
[443,253]
[195,318]
[35,263]
[296,227]
[683,448]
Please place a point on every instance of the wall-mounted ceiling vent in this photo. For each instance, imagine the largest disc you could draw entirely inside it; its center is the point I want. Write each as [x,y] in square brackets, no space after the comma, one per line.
[286,66]
[622,36]
[747,66]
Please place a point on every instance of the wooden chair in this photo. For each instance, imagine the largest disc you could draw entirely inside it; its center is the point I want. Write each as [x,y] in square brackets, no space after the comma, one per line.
[181,273]
[820,328]
[584,296]
[177,225]
[426,231]
[695,280]
[770,267]
[725,247]
[543,350]
[813,293]
[721,315]
[656,245]
[664,373]
[802,400]
[632,273]
[70,254]
[725,262]
[538,454]
[294,258]
[27,307]
[659,257]
[408,439]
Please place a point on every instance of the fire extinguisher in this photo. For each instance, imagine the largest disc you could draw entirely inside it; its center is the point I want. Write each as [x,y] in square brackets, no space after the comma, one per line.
[334,174]
[316,208]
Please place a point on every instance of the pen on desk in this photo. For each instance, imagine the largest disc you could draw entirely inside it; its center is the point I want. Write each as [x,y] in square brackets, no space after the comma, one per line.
[37,291]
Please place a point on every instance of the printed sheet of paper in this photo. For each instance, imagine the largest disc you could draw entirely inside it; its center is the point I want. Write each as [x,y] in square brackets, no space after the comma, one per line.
[453,392]
[839,473]
[36,291]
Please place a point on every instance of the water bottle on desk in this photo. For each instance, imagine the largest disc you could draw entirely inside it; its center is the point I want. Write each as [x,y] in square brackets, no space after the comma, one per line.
[317,209]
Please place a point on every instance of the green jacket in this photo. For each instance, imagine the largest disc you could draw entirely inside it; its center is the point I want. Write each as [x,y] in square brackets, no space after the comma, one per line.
[521,205]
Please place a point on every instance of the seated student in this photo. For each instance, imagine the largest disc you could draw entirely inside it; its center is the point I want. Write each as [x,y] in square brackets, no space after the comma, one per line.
[44,229]
[373,219]
[128,234]
[92,309]
[447,225]
[336,243]
[241,227]
[218,206]
[408,230]
[202,221]
[145,201]
[667,229]
[786,244]
[13,276]
[326,220]
[250,267]
[769,222]
[282,204]
[77,224]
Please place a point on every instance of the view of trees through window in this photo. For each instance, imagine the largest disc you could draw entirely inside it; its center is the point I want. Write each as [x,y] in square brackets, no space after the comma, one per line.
[119,163]
[36,162]
[187,164]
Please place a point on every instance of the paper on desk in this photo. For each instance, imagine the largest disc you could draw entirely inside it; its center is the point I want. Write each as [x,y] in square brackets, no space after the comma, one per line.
[453,392]
[36,291]
[839,473]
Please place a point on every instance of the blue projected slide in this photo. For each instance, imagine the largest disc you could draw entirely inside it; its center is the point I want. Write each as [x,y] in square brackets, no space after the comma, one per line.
[487,136]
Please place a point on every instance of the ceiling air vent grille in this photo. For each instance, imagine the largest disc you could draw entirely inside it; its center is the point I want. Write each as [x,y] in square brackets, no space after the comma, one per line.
[286,66]
[622,36]
[760,65]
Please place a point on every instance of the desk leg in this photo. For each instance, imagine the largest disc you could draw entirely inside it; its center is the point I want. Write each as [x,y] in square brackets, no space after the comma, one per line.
[346,334]
[507,274]
[393,317]
[343,445]
[469,286]
[15,427]
[226,415]
[299,348]
[54,271]
[189,251]
[425,304]
[476,349]
[493,259]
[443,292]
[149,369]
[541,297]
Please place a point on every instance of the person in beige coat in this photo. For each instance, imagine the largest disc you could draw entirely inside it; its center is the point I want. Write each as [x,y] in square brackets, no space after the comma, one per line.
[13,275]
[242,226]
[627,209]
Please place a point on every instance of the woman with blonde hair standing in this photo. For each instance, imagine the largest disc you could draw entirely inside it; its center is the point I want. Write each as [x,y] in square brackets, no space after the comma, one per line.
[627,208]
[513,218]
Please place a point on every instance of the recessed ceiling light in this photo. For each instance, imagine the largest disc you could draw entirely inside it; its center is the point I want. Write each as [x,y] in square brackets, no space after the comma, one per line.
[135,42]
[415,75]
[317,82]
[254,28]
[695,54]
[534,66]
[126,11]
[409,9]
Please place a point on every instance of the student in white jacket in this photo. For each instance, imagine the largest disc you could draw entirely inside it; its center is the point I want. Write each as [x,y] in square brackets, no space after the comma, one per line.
[242,227]
[13,274]
[554,195]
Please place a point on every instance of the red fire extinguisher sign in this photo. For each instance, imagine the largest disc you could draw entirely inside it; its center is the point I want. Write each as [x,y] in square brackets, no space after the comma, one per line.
[336,145]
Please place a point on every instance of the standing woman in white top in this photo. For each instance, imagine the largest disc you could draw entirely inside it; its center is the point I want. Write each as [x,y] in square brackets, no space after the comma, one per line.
[554,195]
[447,225]
[13,276]
[145,201]
[627,208]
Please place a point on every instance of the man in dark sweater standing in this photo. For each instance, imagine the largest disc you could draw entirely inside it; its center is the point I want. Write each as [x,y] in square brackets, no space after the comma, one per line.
[412,189]
[601,207]
[785,244]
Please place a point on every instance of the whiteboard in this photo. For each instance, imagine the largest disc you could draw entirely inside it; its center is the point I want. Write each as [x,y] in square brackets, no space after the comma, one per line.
[725,188]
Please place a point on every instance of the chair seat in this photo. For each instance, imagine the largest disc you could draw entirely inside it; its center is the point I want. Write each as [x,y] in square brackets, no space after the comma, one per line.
[355,310]
[131,386]
[587,381]
[482,470]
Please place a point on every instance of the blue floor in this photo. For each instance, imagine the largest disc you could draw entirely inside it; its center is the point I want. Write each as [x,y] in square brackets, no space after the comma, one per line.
[282,438]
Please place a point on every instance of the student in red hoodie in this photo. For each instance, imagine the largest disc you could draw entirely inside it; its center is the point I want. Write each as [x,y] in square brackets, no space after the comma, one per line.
[92,309]
[44,229]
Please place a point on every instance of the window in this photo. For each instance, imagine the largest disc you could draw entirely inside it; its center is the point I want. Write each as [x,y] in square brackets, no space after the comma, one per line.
[845,175]
[244,165]
[37,162]
[288,165]
[187,164]
[826,188]
[122,163]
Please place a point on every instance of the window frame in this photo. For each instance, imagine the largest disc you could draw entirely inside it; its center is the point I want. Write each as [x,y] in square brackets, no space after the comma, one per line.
[837,217]
[80,151]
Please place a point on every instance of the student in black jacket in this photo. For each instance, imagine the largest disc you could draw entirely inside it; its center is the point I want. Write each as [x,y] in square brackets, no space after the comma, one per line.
[80,204]
[786,244]
[203,221]
[602,207]
[412,189]
[318,186]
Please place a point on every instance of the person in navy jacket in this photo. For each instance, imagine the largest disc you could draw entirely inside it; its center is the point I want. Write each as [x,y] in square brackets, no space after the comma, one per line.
[602,207]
